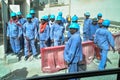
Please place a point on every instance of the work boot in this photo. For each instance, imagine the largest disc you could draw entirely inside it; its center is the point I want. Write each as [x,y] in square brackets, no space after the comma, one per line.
[26,58]
[35,56]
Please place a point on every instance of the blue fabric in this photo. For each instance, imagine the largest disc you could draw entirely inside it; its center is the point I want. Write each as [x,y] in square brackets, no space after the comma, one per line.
[104,39]
[92,31]
[45,35]
[36,21]
[14,30]
[30,30]
[22,21]
[15,45]
[86,27]
[73,49]
[72,68]
[103,60]
[29,45]
[73,53]
[56,33]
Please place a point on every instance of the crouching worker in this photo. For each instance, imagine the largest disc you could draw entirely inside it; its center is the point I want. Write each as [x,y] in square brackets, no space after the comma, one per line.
[30,35]
[73,50]
[103,39]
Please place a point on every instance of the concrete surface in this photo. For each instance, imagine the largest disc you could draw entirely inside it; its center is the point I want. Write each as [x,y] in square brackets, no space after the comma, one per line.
[32,67]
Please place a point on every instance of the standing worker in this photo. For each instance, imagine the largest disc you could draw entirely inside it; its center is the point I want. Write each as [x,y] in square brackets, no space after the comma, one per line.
[74,20]
[103,39]
[21,20]
[92,29]
[99,16]
[30,36]
[44,32]
[86,26]
[51,23]
[73,50]
[14,32]
[56,32]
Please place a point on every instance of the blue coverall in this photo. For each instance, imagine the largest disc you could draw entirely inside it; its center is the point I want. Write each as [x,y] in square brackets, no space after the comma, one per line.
[51,24]
[36,21]
[56,34]
[73,53]
[22,21]
[92,31]
[44,36]
[30,34]
[103,39]
[86,27]
[14,31]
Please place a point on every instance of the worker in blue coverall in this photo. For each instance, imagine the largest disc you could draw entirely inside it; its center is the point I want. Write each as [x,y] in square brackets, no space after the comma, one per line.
[36,21]
[73,50]
[21,20]
[56,32]
[86,26]
[104,39]
[51,23]
[93,27]
[74,20]
[14,31]
[44,32]
[30,36]
[99,16]
[63,22]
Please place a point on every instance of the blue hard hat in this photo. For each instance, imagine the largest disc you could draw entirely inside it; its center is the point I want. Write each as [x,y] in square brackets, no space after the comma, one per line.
[99,14]
[87,14]
[13,14]
[106,23]
[74,18]
[59,18]
[19,13]
[74,25]
[52,16]
[32,11]
[95,19]
[29,16]
[45,17]
[60,13]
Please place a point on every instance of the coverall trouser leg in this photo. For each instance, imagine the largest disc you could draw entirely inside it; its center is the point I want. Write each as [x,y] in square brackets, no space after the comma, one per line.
[73,68]
[103,60]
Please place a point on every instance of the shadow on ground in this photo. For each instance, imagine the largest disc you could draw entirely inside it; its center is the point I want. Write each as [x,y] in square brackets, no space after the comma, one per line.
[19,74]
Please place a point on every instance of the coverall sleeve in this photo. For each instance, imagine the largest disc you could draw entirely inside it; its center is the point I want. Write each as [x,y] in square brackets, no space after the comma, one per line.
[20,31]
[52,32]
[111,39]
[35,31]
[24,30]
[48,32]
[8,30]
[72,49]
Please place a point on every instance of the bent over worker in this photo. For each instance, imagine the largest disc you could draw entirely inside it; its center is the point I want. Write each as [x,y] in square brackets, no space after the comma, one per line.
[73,49]
[103,39]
